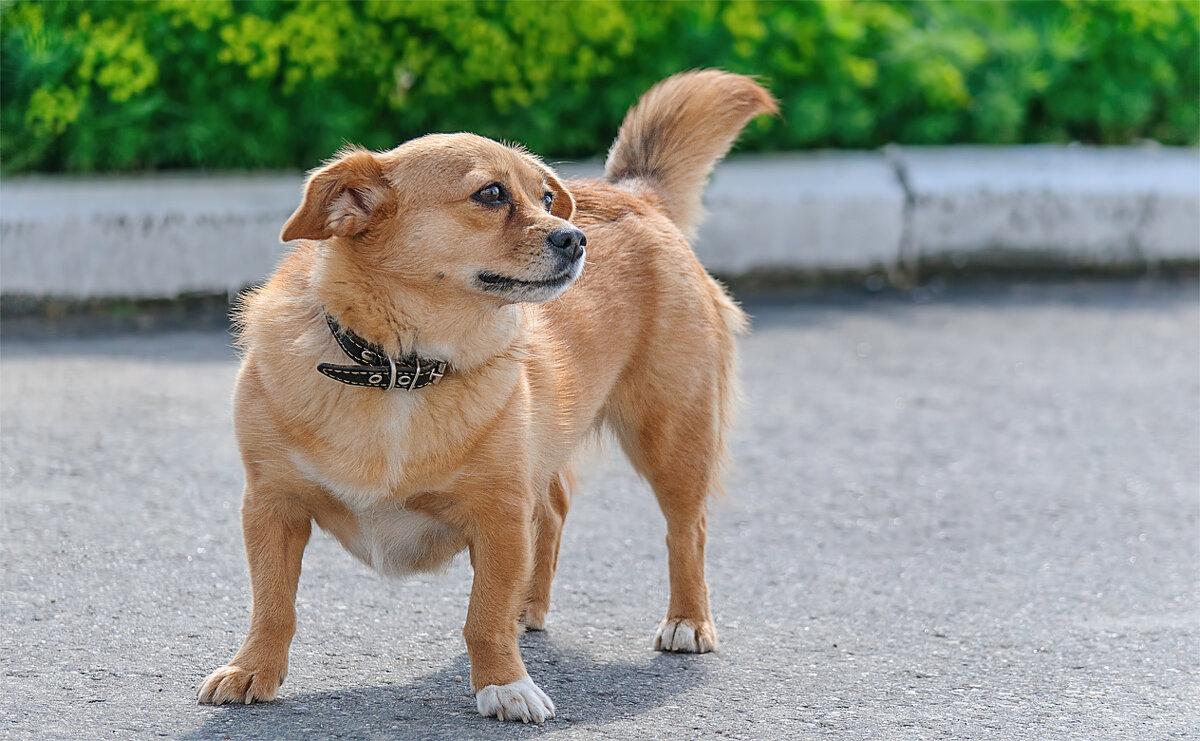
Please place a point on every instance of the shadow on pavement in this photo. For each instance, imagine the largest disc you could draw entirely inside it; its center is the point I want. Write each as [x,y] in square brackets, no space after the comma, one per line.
[31,337]
[818,307]
[436,706]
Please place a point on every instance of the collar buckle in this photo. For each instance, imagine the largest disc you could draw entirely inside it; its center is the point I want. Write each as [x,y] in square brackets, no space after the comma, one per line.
[392,373]
[409,374]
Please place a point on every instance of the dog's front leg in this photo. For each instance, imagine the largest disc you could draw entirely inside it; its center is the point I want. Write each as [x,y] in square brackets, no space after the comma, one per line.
[275,537]
[548,522]
[501,554]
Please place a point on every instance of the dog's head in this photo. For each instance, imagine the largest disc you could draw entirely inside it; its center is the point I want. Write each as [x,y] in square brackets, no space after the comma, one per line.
[458,211]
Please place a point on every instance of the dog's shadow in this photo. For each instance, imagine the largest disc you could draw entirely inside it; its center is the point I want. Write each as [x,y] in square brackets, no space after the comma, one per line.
[440,705]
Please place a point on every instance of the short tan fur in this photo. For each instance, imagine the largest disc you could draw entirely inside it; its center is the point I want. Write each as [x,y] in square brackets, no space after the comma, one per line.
[397,247]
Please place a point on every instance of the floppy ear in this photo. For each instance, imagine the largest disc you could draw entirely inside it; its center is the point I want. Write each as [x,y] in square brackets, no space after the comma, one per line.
[340,199]
[564,203]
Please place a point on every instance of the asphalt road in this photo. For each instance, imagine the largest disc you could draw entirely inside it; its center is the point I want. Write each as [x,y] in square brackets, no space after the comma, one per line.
[975,517]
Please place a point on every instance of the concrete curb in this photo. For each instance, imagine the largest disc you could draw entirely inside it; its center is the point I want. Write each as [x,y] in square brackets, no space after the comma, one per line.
[813,213]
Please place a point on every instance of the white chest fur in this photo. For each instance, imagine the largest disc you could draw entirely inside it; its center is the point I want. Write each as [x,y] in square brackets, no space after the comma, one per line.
[393,540]
[390,539]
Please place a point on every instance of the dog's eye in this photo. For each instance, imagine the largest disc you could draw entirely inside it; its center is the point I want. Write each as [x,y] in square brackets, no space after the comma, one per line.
[491,194]
[548,200]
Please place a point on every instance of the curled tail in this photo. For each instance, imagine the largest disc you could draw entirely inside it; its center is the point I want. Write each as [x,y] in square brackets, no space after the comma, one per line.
[678,131]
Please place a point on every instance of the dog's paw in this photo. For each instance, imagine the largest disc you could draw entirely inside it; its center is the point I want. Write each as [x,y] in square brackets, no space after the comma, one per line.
[685,636]
[234,684]
[521,700]
[534,619]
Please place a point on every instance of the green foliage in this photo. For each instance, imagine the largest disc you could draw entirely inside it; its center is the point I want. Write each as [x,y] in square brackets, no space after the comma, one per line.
[126,86]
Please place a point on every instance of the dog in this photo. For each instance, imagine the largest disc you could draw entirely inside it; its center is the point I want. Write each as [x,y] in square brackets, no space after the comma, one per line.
[419,370]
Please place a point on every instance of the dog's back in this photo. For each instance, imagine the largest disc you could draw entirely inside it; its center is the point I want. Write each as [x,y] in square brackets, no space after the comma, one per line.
[642,278]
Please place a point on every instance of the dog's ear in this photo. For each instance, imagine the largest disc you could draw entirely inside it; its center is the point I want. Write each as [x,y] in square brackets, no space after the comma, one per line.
[340,199]
[564,203]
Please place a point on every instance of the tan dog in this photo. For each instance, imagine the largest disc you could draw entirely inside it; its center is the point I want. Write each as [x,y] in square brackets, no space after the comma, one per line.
[442,267]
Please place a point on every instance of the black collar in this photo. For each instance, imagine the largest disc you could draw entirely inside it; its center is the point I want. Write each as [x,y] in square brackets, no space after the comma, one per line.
[376,368]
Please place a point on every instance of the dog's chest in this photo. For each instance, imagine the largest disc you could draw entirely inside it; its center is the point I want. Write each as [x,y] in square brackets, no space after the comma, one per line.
[363,466]
[395,541]
[363,452]
[385,535]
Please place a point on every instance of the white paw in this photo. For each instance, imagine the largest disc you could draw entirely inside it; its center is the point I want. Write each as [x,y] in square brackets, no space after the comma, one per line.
[522,700]
[680,634]
[534,620]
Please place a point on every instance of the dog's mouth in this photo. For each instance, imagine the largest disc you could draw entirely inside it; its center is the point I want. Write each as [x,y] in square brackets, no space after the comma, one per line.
[496,281]
[523,290]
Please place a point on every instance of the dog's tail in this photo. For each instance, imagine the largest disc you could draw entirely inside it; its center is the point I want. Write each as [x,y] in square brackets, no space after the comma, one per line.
[678,131]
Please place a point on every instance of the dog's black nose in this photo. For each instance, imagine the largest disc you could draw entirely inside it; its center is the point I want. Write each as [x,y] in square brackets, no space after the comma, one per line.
[570,241]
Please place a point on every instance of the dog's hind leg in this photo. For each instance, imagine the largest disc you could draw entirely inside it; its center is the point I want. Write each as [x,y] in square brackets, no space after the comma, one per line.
[548,522]
[672,435]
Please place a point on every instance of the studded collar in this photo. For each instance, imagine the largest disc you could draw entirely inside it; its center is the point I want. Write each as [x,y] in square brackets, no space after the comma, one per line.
[376,368]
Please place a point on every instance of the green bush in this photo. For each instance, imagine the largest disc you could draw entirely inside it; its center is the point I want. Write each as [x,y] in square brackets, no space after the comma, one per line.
[121,86]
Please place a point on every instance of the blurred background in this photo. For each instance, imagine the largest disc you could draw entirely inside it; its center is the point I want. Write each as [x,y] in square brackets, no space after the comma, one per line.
[916,138]
[216,85]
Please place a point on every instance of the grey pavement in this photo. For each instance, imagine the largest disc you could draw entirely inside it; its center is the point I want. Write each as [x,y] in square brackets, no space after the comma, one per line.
[970,515]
